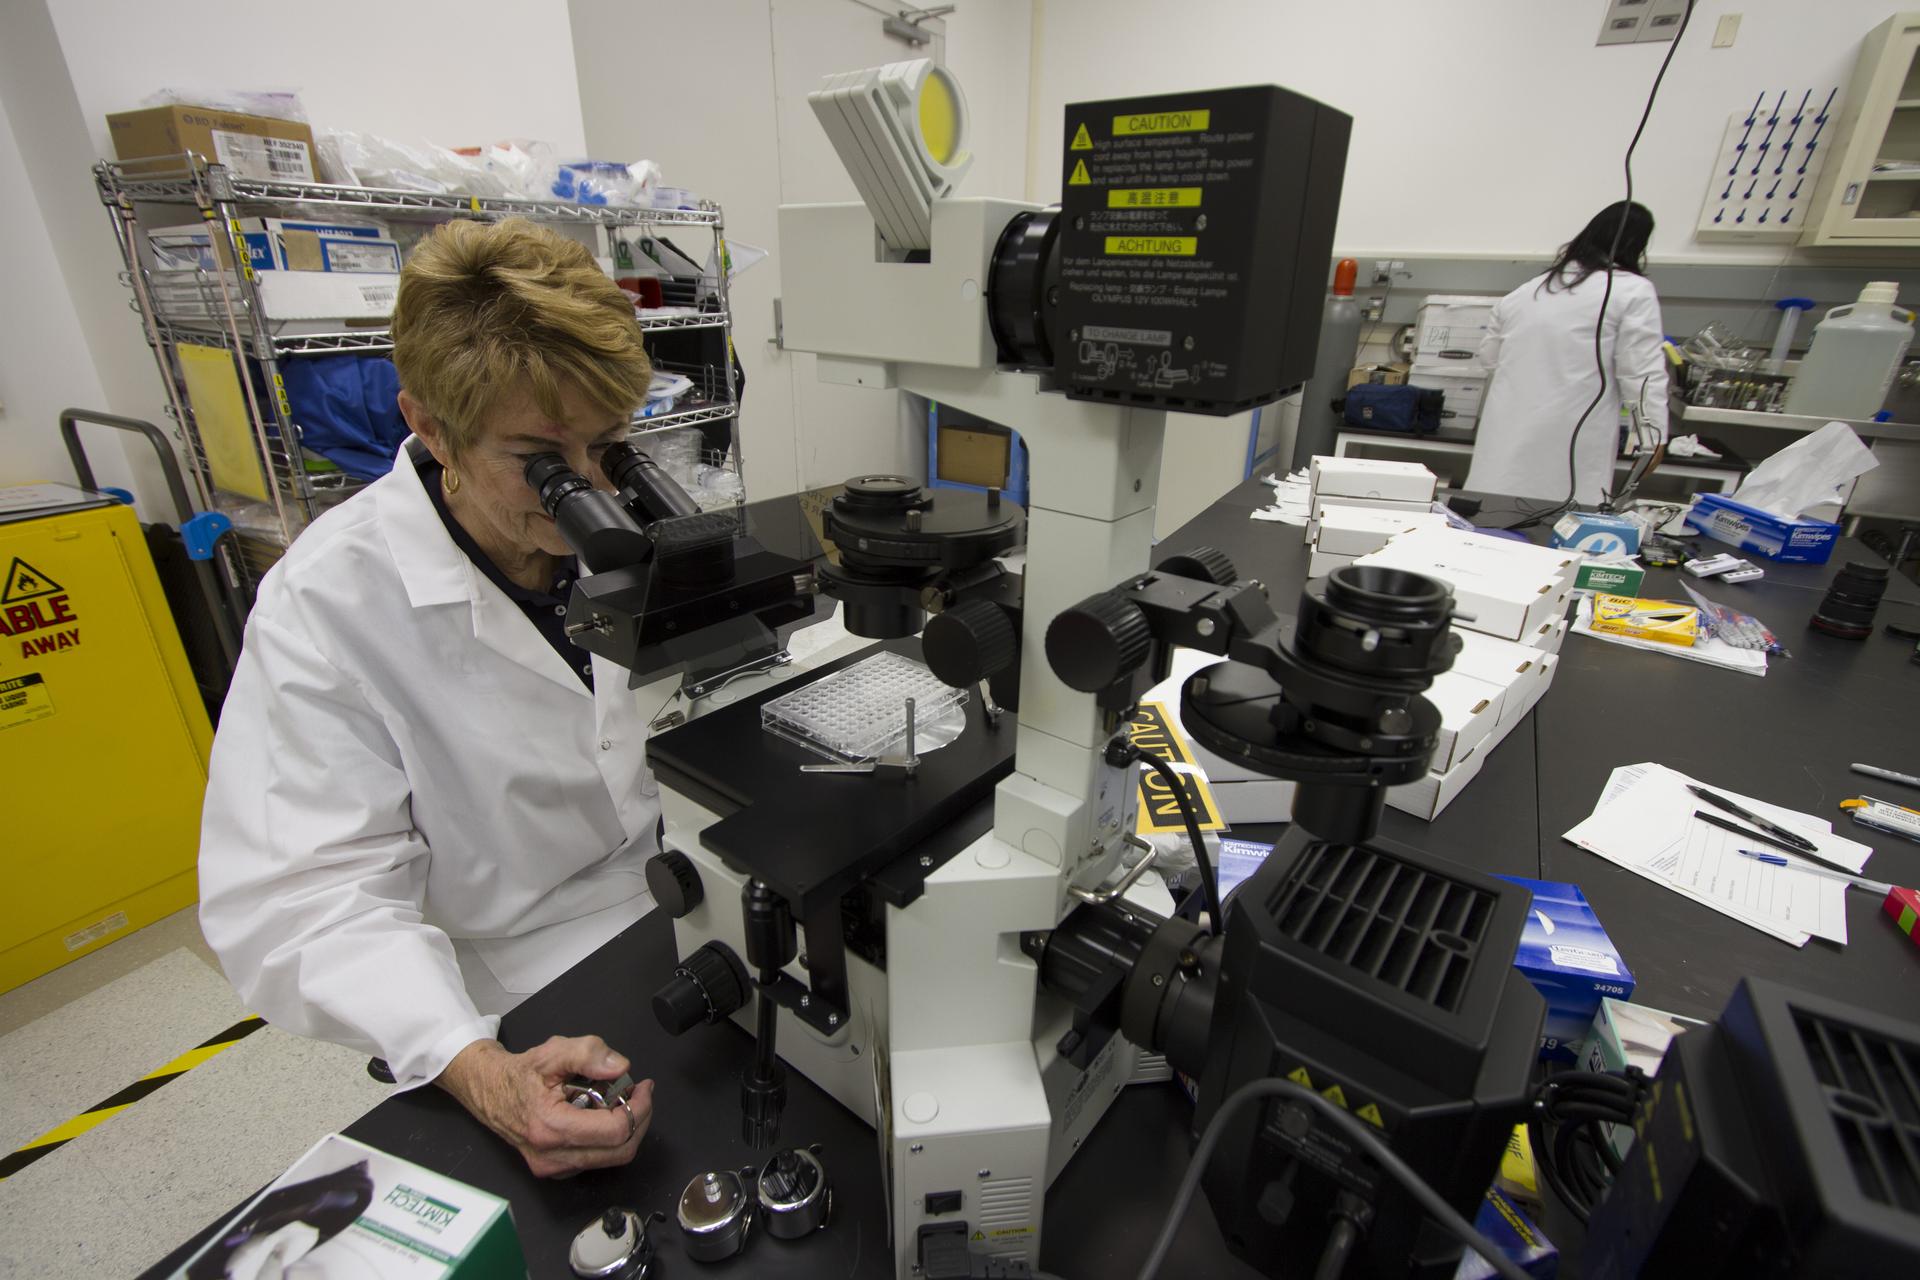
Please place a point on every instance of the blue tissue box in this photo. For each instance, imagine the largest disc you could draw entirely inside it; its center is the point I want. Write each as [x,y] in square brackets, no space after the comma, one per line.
[1761,532]
[1569,959]
[1501,1221]
[1596,534]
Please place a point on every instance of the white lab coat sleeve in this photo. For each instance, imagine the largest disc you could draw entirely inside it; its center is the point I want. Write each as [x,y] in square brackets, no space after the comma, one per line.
[1496,335]
[1639,357]
[312,876]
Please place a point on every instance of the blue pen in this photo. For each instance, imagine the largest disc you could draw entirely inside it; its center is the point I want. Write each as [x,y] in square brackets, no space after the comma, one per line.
[1771,859]
[1781,860]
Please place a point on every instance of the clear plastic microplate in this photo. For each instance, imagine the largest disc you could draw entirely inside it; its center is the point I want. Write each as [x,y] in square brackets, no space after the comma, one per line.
[860,713]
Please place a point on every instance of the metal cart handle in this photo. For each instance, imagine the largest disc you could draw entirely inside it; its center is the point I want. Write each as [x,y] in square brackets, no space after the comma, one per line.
[217,603]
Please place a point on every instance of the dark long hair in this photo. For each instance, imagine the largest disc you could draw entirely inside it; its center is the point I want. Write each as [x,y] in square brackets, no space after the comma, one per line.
[1588,252]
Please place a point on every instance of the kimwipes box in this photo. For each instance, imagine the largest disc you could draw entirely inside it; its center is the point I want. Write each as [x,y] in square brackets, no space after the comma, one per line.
[1501,587]
[252,146]
[346,1210]
[1569,959]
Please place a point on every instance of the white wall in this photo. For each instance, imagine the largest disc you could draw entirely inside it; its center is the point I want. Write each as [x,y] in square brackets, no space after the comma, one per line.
[1490,126]
[454,73]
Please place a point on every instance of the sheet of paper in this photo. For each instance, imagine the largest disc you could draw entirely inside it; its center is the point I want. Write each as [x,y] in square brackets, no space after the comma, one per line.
[1645,822]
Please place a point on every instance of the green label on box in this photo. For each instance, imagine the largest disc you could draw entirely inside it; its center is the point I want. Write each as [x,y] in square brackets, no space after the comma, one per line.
[1616,580]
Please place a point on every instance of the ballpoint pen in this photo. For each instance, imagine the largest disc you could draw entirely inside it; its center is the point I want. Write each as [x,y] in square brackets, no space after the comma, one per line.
[1781,860]
[1749,833]
[1874,771]
[1777,833]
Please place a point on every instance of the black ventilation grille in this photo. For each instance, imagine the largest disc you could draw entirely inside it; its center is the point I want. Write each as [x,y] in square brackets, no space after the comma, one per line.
[1872,1088]
[1413,929]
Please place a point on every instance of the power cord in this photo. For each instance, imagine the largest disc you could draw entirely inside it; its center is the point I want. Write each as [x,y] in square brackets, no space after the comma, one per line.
[1570,1129]
[1122,752]
[1355,1131]
[1606,294]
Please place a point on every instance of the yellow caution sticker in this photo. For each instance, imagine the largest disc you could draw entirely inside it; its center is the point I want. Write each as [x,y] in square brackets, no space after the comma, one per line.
[1153,198]
[1079,177]
[1371,1114]
[1516,1165]
[1153,246]
[1082,140]
[1300,1077]
[23,700]
[1151,730]
[1336,1095]
[978,1235]
[1134,126]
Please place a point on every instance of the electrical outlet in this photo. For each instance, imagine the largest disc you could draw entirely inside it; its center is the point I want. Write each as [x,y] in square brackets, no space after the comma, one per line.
[1725,30]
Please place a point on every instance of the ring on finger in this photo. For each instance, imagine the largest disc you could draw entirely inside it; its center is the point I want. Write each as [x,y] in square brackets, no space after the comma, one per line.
[633,1124]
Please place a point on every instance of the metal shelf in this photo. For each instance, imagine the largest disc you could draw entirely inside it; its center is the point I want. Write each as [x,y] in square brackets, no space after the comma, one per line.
[361,341]
[196,185]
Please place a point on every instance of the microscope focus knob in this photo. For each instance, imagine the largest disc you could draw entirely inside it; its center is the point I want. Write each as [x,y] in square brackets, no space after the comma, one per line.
[707,986]
[1203,564]
[969,642]
[1098,641]
[675,882]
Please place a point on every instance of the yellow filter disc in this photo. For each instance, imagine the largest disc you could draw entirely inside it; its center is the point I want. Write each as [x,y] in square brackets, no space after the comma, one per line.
[939,118]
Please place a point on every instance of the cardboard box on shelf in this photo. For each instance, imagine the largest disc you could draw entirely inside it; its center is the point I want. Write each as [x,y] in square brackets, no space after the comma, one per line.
[1337,477]
[278,244]
[1463,391]
[1448,332]
[328,295]
[1387,375]
[252,146]
[1567,956]
[1355,531]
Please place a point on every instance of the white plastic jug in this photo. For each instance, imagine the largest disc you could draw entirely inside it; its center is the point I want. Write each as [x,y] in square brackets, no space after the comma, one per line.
[1856,351]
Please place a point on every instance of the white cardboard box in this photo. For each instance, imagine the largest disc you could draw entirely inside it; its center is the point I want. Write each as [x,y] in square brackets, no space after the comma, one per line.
[1464,392]
[327,295]
[1536,683]
[1333,477]
[1469,710]
[1549,636]
[1518,669]
[1503,588]
[1429,796]
[1255,800]
[1449,330]
[1322,505]
[1321,563]
[1355,531]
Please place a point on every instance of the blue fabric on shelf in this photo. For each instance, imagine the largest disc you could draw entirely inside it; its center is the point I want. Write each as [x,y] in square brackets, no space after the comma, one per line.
[348,410]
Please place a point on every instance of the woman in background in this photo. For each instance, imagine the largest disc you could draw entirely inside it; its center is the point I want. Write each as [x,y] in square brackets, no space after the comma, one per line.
[1539,349]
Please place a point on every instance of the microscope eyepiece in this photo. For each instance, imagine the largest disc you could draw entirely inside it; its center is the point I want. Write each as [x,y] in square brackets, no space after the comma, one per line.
[591,521]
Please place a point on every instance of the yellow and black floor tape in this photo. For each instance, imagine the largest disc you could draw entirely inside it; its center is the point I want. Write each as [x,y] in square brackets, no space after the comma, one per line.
[53,1139]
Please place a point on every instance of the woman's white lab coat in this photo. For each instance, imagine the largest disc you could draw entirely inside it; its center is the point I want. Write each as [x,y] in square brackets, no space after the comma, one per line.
[1540,350]
[409,782]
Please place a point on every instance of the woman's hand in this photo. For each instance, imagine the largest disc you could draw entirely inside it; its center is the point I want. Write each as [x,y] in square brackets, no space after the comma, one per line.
[517,1095]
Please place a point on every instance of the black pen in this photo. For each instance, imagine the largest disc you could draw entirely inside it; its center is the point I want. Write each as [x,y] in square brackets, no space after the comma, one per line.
[1792,839]
[1749,834]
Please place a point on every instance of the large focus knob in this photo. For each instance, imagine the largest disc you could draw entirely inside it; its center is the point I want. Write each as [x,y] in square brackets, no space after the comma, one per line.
[675,882]
[1203,564]
[710,984]
[1097,641]
[969,642]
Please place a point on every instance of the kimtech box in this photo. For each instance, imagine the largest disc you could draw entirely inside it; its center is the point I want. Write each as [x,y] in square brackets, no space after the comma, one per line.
[1569,959]
[1761,532]
[346,1210]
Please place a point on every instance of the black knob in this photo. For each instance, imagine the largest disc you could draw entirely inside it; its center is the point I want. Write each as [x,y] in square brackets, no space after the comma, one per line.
[710,984]
[1204,564]
[969,642]
[675,882]
[1098,641]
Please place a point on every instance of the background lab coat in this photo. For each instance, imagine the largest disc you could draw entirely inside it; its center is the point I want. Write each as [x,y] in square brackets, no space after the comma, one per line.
[403,762]
[1540,349]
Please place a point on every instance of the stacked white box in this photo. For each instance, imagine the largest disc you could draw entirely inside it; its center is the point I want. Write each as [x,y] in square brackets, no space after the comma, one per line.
[1501,587]
[1364,502]
[1371,478]
[1464,391]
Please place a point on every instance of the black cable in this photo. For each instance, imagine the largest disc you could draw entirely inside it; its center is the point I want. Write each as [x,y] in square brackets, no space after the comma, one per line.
[1355,1131]
[1570,1131]
[1333,1258]
[1208,883]
[1606,294]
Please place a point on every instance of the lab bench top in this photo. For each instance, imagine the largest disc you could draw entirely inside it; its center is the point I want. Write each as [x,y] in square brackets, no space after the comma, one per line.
[1787,737]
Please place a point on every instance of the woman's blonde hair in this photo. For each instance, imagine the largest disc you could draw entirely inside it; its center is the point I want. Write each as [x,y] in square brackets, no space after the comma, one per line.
[484,306]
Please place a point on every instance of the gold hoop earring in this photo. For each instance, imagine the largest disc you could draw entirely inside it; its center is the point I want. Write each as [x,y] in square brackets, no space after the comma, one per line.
[450,480]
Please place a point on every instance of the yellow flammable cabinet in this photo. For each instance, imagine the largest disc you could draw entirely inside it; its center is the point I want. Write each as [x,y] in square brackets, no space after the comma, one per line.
[103,737]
